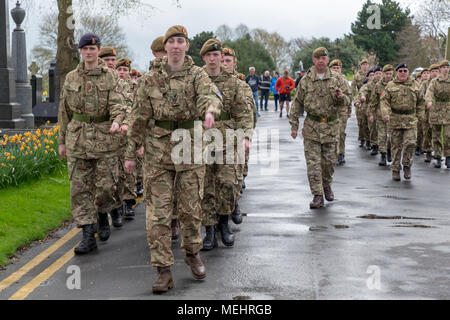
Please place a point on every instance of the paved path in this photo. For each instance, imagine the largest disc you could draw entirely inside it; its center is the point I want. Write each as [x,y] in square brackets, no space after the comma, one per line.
[283,249]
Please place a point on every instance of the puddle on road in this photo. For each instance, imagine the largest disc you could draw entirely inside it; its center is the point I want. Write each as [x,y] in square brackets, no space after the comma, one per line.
[408,225]
[341,227]
[395,198]
[242,298]
[374,217]
[318,228]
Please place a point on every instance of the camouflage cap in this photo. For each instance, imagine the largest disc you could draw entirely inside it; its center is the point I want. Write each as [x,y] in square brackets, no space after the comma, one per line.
[387,68]
[211,45]
[123,63]
[426,70]
[89,39]
[229,52]
[444,63]
[336,62]
[175,31]
[419,75]
[158,44]
[107,52]
[434,66]
[320,52]
[364,61]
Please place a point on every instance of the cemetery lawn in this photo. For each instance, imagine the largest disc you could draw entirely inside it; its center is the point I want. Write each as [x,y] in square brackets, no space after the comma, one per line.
[29,212]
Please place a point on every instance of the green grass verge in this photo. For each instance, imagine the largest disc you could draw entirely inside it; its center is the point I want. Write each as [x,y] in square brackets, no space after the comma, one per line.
[30,211]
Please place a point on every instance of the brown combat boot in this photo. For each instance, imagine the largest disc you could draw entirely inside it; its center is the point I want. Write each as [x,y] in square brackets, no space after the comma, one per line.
[317,202]
[175,229]
[164,282]
[329,195]
[197,267]
[396,176]
[407,172]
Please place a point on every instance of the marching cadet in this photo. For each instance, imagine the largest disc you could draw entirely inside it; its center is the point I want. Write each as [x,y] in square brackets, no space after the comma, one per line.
[175,95]
[375,113]
[438,104]
[361,105]
[427,129]
[320,93]
[356,86]
[424,75]
[400,108]
[90,116]
[221,180]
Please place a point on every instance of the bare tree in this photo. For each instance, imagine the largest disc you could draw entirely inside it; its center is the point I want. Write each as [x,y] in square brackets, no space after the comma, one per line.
[224,33]
[241,31]
[275,44]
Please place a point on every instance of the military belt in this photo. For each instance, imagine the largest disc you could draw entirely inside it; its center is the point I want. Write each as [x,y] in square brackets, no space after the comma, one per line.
[442,99]
[403,112]
[224,116]
[90,119]
[174,125]
[323,119]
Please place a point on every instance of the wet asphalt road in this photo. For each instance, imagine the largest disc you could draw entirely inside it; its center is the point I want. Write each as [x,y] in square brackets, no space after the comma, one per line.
[283,249]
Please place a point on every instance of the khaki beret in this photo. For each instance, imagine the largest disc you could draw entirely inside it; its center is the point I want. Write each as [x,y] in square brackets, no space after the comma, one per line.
[419,75]
[123,63]
[426,70]
[158,44]
[229,52]
[388,67]
[336,62]
[444,63]
[320,52]
[364,61]
[175,31]
[211,45]
[107,52]
[434,66]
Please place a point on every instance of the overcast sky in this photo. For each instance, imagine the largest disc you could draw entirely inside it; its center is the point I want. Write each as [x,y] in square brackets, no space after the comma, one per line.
[290,18]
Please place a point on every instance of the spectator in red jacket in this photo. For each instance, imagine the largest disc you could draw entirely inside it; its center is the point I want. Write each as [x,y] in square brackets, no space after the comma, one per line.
[284,87]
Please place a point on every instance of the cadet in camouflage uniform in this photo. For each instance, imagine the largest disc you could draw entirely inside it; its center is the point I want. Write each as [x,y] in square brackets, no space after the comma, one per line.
[400,107]
[90,115]
[375,113]
[420,80]
[221,180]
[357,84]
[438,104]
[320,93]
[427,129]
[175,95]
[344,113]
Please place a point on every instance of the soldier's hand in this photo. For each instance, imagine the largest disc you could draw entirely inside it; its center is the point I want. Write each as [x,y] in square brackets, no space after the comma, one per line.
[246,144]
[371,119]
[140,152]
[62,151]
[339,94]
[429,105]
[357,104]
[209,121]
[363,99]
[129,166]
[124,130]
[115,127]
[294,134]
[386,119]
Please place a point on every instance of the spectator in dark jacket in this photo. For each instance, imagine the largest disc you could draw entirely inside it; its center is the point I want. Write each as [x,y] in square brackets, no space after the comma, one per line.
[299,78]
[276,96]
[253,81]
[264,88]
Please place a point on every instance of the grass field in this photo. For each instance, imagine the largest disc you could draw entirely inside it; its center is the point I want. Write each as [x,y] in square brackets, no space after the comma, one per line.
[30,211]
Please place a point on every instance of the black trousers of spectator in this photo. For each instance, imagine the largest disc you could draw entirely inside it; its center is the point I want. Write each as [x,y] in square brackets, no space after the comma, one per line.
[265,97]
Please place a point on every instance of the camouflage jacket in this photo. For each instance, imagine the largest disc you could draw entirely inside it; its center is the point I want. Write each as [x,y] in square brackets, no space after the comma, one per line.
[93,93]
[249,96]
[401,102]
[374,102]
[357,82]
[318,98]
[235,104]
[348,99]
[162,95]
[438,93]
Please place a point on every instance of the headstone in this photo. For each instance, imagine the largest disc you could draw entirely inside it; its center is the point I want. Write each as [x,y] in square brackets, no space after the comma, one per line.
[19,59]
[10,113]
[36,89]
[34,68]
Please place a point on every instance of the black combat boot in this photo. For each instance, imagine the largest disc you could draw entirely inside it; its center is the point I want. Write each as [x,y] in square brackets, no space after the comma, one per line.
[210,240]
[418,152]
[88,243]
[374,150]
[139,189]
[236,216]
[438,164]
[104,231]
[389,155]
[129,211]
[447,162]
[361,145]
[116,217]
[368,146]
[383,162]
[429,157]
[341,160]
[225,231]
[244,186]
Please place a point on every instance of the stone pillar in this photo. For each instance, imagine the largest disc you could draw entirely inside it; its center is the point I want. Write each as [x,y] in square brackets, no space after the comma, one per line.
[19,62]
[10,114]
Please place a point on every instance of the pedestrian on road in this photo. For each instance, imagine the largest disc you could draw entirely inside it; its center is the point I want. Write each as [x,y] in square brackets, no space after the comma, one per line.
[264,88]
[276,95]
[284,86]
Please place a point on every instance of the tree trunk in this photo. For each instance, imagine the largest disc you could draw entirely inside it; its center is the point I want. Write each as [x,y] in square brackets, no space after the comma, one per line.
[67,55]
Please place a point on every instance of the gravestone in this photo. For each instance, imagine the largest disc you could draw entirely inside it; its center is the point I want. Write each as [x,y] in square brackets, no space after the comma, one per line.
[10,113]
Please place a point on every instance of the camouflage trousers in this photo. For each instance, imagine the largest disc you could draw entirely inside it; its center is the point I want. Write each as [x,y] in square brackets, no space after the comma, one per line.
[373,131]
[343,119]
[221,185]
[247,159]
[127,184]
[384,139]
[441,140]
[362,125]
[93,187]
[162,185]
[139,172]
[419,142]
[242,172]
[403,141]
[320,161]
[427,135]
